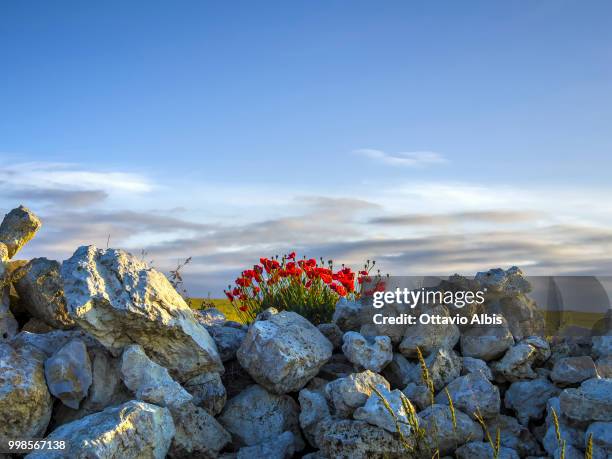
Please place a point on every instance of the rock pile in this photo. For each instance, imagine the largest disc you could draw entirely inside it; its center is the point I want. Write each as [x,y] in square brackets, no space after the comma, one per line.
[101,352]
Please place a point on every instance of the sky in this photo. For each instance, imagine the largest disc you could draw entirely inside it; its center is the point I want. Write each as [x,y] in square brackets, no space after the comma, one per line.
[433,137]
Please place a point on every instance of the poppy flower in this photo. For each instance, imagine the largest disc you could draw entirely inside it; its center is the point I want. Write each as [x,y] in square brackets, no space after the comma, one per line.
[291,256]
[229,296]
[243,308]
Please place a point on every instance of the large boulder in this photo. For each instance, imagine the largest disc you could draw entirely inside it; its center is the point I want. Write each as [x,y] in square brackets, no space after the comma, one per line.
[41,292]
[429,337]
[132,430]
[445,435]
[528,398]
[284,352]
[592,401]
[208,392]
[149,381]
[68,373]
[18,227]
[369,352]
[573,370]
[472,393]
[121,301]
[25,402]
[256,415]
[348,393]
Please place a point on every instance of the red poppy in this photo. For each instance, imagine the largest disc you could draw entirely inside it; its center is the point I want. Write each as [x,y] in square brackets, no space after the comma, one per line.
[291,256]
[229,296]
[243,308]
[243,281]
[236,291]
[255,289]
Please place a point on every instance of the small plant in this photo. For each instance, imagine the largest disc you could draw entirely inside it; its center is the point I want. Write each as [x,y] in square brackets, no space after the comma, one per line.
[425,377]
[307,286]
[560,441]
[176,278]
[588,454]
[495,446]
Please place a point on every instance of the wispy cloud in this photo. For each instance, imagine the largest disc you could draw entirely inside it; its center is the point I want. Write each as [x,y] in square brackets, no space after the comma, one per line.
[407,159]
[487,216]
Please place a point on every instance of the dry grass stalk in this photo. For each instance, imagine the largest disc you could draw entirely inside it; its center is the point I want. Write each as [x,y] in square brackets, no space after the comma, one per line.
[588,454]
[425,377]
[494,446]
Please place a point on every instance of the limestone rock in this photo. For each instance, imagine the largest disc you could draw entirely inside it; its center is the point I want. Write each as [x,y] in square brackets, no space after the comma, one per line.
[41,292]
[472,365]
[528,398]
[25,402]
[375,412]
[120,301]
[513,435]
[198,434]
[8,325]
[129,431]
[313,409]
[210,317]
[227,339]
[149,381]
[443,365]
[419,395]
[430,337]
[50,342]
[348,314]
[68,373]
[208,392]
[473,393]
[482,450]
[18,227]
[284,352]
[371,353]
[440,432]
[333,333]
[573,370]
[516,363]
[256,415]
[592,401]
[348,439]
[486,342]
[348,393]
[282,447]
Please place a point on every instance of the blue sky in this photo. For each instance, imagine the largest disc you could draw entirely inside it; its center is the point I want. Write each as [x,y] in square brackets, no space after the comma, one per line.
[441,137]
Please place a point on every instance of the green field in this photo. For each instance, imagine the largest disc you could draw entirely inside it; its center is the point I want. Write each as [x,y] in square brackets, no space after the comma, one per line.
[222,304]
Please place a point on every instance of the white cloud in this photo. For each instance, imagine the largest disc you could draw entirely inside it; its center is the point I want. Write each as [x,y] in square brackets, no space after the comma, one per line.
[408,159]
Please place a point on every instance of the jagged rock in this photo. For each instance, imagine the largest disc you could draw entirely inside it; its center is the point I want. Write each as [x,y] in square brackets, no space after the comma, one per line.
[25,402]
[313,409]
[256,415]
[282,447]
[602,346]
[429,337]
[333,333]
[604,367]
[513,435]
[68,373]
[482,450]
[399,371]
[444,365]
[516,363]
[375,412]
[602,439]
[227,339]
[284,352]
[49,343]
[419,395]
[573,370]
[348,314]
[471,394]
[149,381]
[208,392]
[198,434]
[486,342]
[348,439]
[132,430]
[8,325]
[592,401]
[440,431]
[528,398]
[120,301]
[472,365]
[18,227]
[348,393]
[41,293]
[371,353]
[210,317]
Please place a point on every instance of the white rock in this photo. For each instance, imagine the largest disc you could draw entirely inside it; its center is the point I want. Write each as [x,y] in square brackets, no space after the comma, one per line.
[376,413]
[256,415]
[313,409]
[443,366]
[371,353]
[473,393]
[25,403]
[592,401]
[472,365]
[348,393]
[149,381]
[486,342]
[208,392]
[8,325]
[227,339]
[284,352]
[441,433]
[348,314]
[18,227]
[120,301]
[68,373]
[516,363]
[129,431]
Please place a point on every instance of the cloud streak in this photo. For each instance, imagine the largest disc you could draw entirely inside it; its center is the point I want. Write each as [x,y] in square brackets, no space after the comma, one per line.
[404,159]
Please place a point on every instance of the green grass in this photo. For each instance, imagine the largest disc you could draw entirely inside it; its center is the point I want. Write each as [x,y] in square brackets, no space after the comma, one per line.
[222,304]
[569,318]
